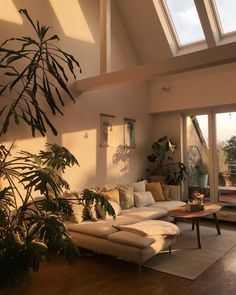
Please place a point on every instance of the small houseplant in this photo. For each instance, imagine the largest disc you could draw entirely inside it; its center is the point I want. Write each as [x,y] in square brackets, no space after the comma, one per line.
[202,172]
[162,163]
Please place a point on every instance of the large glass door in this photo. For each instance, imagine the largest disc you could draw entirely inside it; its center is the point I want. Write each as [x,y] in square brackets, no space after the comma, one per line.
[226,156]
[197,145]
[210,154]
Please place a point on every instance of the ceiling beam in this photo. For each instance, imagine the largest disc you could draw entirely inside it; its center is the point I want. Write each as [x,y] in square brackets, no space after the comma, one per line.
[105,36]
[208,58]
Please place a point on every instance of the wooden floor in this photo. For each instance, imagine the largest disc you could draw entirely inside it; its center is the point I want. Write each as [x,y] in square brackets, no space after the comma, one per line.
[98,274]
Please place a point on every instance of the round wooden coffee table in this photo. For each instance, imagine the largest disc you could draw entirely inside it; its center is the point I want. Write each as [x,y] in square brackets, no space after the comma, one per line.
[209,209]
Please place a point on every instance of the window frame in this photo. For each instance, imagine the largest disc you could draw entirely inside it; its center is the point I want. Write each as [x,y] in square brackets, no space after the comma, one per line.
[218,22]
[173,31]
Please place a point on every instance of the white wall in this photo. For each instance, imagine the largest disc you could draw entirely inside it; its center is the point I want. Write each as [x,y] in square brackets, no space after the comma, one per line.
[80,126]
[205,88]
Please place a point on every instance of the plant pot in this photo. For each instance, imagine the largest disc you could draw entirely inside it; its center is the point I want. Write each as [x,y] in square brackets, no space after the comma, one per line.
[202,180]
[228,181]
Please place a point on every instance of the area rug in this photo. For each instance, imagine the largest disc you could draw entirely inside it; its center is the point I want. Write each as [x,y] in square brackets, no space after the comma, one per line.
[187,260]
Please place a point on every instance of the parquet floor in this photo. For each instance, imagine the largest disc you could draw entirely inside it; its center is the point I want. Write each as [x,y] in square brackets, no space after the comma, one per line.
[103,275]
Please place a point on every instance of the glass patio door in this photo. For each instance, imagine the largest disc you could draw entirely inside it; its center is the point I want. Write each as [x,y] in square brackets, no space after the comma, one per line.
[226,156]
[210,155]
[197,155]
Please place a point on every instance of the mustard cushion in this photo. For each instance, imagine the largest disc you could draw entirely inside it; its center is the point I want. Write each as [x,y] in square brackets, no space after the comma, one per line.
[112,195]
[156,189]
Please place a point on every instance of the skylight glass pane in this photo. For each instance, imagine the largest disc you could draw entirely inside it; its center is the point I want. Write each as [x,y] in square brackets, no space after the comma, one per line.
[186,21]
[227,13]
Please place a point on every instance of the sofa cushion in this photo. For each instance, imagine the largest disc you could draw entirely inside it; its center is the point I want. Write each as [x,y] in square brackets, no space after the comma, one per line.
[167,205]
[149,228]
[143,199]
[103,214]
[101,228]
[112,195]
[140,186]
[126,196]
[131,239]
[144,213]
[156,189]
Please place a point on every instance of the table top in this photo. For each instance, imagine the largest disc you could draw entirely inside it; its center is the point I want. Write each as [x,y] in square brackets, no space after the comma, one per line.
[183,213]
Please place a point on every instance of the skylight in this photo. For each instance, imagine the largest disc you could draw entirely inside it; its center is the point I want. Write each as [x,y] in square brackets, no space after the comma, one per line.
[185,21]
[226,15]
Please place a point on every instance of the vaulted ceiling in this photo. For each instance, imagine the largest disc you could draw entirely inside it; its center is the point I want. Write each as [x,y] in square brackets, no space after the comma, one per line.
[145,30]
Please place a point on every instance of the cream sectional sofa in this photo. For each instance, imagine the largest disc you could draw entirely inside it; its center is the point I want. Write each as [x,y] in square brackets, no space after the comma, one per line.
[104,237]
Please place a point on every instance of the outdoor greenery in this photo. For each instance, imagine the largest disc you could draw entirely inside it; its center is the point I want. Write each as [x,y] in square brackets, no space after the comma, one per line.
[201,167]
[230,150]
[34,75]
[162,163]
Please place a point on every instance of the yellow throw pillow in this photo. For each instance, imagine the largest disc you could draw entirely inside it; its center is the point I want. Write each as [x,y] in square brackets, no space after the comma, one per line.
[112,195]
[156,189]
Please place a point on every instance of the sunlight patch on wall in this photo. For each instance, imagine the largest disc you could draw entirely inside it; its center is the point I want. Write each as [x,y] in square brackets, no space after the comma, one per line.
[32,145]
[83,145]
[72,19]
[9,12]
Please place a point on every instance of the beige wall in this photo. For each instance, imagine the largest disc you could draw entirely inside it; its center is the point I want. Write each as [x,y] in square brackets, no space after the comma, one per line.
[80,126]
[193,91]
[168,124]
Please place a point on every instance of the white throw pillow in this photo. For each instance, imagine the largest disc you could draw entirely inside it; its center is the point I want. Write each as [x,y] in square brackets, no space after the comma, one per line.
[143,199]
[139,186]
[104,215]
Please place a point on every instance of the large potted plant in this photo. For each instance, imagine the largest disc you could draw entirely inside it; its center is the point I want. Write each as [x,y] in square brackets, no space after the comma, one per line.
[163,167]
[29,226]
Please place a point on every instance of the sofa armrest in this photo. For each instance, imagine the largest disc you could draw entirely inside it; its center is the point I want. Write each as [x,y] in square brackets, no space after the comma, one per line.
[175,192]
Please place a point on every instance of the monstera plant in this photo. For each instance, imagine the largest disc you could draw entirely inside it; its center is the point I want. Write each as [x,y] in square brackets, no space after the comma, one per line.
[30,226]
[32,205]
[162,163]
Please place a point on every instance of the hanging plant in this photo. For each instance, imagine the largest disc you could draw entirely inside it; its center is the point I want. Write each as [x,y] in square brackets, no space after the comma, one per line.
[44,78]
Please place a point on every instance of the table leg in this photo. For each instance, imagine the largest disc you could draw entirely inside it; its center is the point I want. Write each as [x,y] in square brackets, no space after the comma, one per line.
[175,220]
[193,224]
[198,234]
[217,224]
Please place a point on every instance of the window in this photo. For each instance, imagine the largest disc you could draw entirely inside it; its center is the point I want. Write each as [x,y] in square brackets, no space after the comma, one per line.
[225,12]
[184,21]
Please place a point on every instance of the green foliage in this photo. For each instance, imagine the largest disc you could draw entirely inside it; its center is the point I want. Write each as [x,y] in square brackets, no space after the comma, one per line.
[43,78]
[230,150]
[162,162]
[29,229]
[201,167]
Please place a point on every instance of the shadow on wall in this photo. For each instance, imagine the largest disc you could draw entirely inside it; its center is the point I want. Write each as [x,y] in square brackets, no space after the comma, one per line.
[79,34]
[122,154]
[79,128]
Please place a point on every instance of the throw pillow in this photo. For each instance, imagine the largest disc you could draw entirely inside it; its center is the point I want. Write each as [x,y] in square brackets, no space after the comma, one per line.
[104,215]
[112,195]
[126,196]
[89,212]
[139,186]
[156,190]
[143,199]
[166,192]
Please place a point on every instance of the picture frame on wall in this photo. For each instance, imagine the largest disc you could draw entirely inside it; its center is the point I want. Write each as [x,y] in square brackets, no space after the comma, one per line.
[106,130]
[129,133]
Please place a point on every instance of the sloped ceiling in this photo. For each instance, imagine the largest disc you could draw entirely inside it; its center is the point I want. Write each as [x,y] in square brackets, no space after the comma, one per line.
[145,30]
